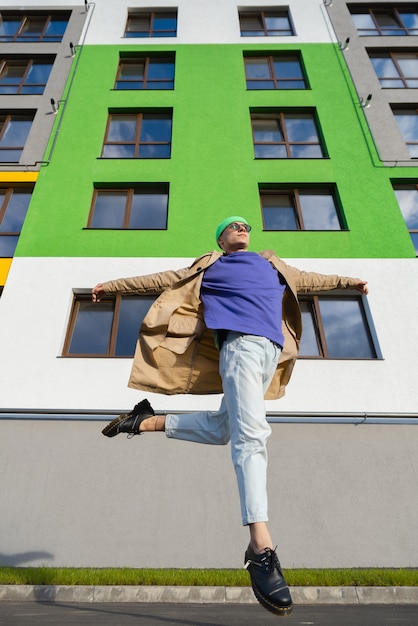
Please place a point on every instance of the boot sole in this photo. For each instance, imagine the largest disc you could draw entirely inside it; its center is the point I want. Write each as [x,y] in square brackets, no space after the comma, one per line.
[282,611]
[107,430]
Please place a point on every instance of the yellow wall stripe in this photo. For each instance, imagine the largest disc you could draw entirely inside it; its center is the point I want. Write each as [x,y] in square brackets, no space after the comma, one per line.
[18,177]
[4,270]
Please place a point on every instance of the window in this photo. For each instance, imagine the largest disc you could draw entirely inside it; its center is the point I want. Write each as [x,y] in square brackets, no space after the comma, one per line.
[286,135]
[14,130]
[108,328]
[151,24]
[396,70]
[335,327]
[14,204]
[268,23]
[277,71]
[39,26]
[24,76]
[300,209]
[142,135]
[407,120]
[385,21]
[152,71]
[407,197]
[142,207]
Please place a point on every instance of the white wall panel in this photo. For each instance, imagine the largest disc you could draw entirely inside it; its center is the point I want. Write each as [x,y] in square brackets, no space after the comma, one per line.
[35,310]
[199,21]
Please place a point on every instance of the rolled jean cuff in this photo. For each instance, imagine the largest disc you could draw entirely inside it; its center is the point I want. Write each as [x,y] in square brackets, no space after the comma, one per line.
[254,520]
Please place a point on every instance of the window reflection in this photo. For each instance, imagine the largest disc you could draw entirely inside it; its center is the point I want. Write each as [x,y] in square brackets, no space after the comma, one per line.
[108,328]
[407,197]
[309,342]
[300,209]
[143,207]
[132,312]
[92,328]
[335,327]
[344,329]
[286,135]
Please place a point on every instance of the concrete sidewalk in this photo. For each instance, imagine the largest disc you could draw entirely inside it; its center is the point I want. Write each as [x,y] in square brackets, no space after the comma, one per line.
[203,595]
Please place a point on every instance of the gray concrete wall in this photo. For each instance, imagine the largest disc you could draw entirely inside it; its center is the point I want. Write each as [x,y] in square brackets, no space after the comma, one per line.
[340,496]
[44,119]
[384,129]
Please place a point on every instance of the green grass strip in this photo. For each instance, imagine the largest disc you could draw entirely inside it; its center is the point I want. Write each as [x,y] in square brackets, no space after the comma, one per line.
[203,577]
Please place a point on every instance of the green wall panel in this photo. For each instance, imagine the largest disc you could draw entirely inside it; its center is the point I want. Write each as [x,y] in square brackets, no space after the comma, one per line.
[212,171]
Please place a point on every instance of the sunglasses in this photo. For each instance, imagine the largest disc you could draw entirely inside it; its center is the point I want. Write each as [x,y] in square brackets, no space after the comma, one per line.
[238,226]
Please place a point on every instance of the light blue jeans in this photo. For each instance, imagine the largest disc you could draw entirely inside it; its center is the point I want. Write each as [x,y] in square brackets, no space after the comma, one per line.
[246,364]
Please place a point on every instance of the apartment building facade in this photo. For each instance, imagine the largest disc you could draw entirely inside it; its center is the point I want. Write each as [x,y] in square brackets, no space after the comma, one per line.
[129,130]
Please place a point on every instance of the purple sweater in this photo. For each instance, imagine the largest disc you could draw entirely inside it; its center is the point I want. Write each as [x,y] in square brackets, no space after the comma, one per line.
[242,292]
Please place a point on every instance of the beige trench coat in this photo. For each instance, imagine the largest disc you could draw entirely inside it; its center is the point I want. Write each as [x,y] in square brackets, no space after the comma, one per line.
[176,353]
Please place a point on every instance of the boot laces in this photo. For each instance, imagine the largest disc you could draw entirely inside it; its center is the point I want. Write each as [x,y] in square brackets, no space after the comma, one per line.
[269,561]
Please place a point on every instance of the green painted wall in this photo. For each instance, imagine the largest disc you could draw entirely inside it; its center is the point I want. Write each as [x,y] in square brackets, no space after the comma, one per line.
[212,170]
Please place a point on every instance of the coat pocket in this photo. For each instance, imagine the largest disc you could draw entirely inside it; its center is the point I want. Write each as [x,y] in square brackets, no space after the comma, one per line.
[181,332]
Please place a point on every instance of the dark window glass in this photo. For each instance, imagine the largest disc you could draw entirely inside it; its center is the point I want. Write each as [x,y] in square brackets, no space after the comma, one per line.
[396,70]
[274,72]
[92,328]
[407,120]
[148,72]
[335,327]
[385,21]
[268,23]
[138,135]
[142,207]
[24,76]
[407,197]
[132,312]
[8,245]
[14,130]
[152,24]
[108,328]
[286,136]
[33,27]
[300,209]
[14,202]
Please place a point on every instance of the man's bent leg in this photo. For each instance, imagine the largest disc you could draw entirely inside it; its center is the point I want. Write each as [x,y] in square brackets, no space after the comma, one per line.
[210,427]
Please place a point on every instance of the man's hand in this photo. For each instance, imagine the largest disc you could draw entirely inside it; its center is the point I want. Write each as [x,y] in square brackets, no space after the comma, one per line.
[97,293]
[362,287]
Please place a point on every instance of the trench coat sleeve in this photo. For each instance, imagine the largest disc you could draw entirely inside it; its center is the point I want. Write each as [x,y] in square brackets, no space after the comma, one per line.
[304,282]
[149,284]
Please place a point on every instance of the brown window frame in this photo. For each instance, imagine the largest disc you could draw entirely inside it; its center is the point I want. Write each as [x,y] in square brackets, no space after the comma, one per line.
[147,84]
[280,116]
[130,191]
[293,193]
[312,300]
[406,109]
[270,59]
[137,143]
[33,15]
[387,9]
[116,299]
[10,190]
[24,116]
[398,185]
[401,78]
[279,12]
[28,62]
[151,15]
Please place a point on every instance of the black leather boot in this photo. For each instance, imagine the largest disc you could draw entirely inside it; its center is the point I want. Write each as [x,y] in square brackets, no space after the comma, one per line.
[268,582]
[130,422]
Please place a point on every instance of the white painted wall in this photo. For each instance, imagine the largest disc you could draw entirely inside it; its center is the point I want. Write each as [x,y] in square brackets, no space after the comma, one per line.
[199,21]
[35,308]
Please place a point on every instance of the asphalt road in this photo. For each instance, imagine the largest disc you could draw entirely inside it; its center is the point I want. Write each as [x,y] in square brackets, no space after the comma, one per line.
[166,614]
